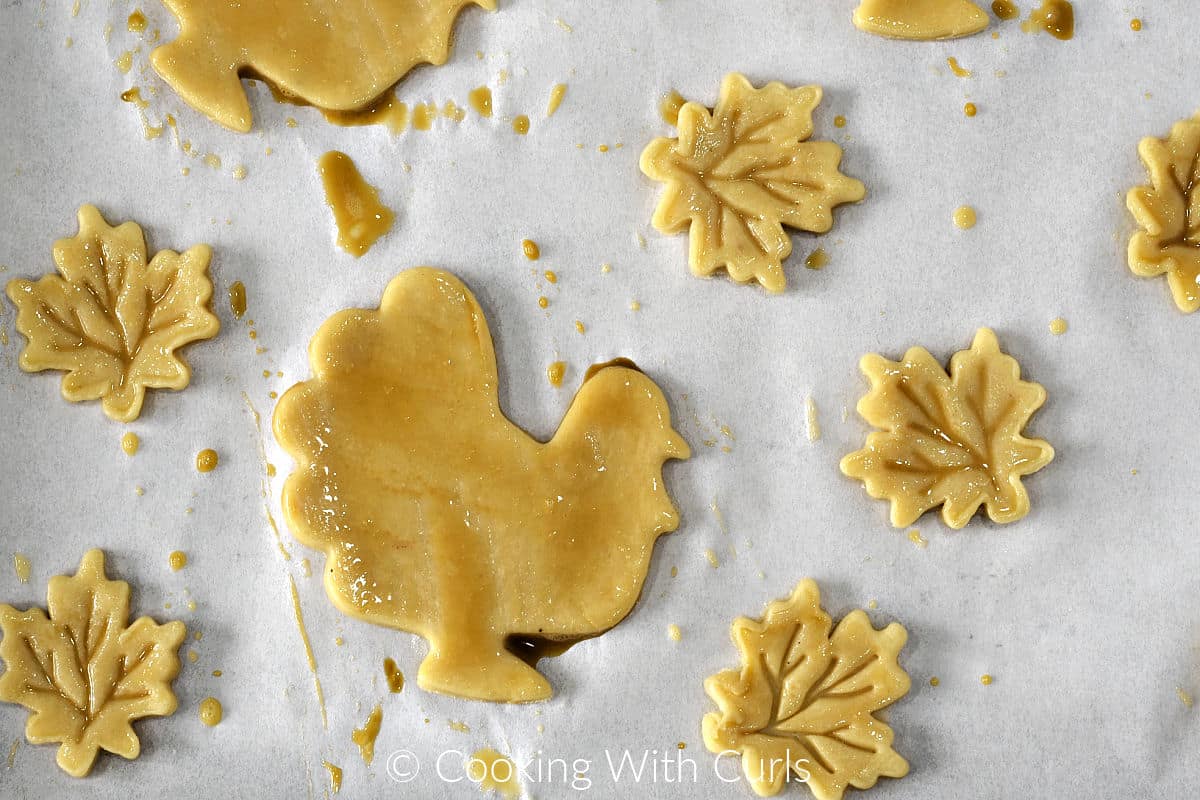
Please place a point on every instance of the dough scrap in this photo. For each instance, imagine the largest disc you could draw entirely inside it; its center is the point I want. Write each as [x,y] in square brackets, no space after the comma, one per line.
[951,440]
[361,218]
[85,674]
[111,320]
[920,19]
[441,517]
[802,704]
[338,55]
[1168,210]
[735,176]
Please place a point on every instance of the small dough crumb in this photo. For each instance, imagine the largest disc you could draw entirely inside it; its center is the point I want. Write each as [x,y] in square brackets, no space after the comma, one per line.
[206,460]
[365,736]
[1005,9]
[22,567]
[335,776]
[556,97]
[1058,326]
[393,675]
[480,99]
[817,259]
[812,424]
[959,71]
[1055,17]
[211,712]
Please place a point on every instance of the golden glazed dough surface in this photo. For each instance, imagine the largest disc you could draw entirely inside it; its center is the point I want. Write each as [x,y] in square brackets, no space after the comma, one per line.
[441,517]
[920,19]
[83,672]
[802,704]
[111,320]
[949,439]
[736,175]
[357,211]
[1168,211]
[338,55]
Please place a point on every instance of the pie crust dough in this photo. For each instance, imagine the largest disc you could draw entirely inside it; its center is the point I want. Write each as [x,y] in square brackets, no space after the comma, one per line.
[736,175]
[83,672]
[1168,211]
[920,19]
[801,706]
[111,320]
[951,440]
[338,55]
[357,211]
[441,517]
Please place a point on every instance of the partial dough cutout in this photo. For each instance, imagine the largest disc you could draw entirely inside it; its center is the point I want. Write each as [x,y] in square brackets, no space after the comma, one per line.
[357,211]
[1168,210]
[441,517]
[951,440]
[110,320]
[920,19]
[801,706]
[338,55]
[735,176]
[83,672]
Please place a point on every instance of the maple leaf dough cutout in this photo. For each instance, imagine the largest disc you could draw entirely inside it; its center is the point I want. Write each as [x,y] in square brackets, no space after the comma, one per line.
[951,440]
[84,673]
[338,55]
[920,19]
[1168,210]
[441,517]
[112,321]
[803,701]
[737,175]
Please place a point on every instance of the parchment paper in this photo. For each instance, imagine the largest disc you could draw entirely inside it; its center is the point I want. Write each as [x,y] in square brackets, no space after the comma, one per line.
[1084,611]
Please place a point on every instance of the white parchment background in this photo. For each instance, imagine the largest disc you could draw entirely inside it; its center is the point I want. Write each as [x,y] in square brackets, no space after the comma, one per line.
[1084,612]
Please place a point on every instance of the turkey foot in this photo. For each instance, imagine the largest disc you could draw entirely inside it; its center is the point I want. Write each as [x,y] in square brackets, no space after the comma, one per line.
[481,670]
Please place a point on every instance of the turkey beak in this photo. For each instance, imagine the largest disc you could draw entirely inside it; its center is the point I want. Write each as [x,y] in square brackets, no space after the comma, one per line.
[677,447]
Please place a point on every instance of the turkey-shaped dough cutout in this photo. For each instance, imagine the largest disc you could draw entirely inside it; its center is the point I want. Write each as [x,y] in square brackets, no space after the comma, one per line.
[337,55]
[441,517]
[920,19]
